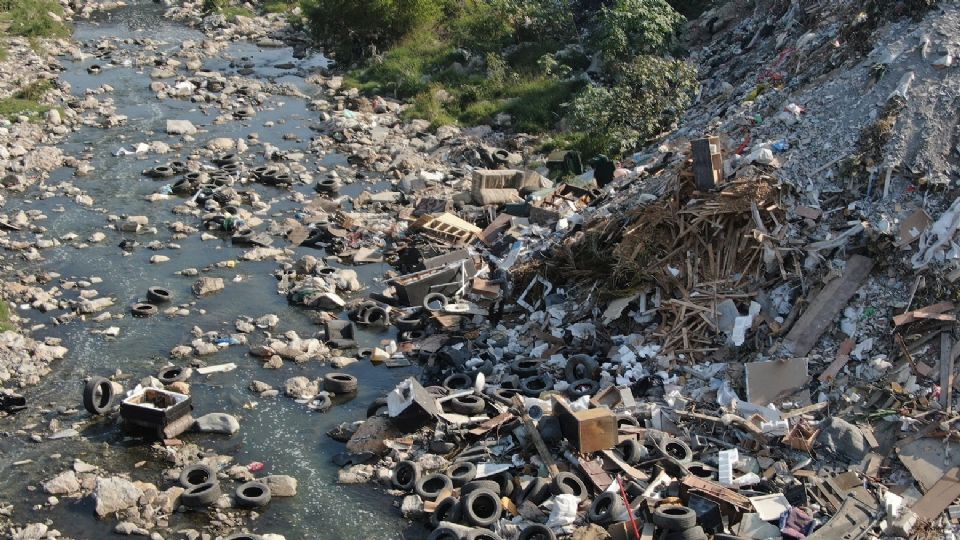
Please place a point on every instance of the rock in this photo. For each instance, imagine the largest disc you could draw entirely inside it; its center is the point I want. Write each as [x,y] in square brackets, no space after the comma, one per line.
[281,485]
[412,507]
[181,127]
[157,259]
[125,527]
[843,438]
[371,435]
[590,532]
[65,483]
[217,423]
[114,494]
[53,117]
[207,285]
[180,387]
[301,387]
[33,531]
[221,144]
[44,158]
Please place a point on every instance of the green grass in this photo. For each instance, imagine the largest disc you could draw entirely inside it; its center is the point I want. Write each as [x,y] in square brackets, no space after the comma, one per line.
[232,12]
[279,6]
[3,54]
[5,323]
[406,69]
[31,18]
[26,102]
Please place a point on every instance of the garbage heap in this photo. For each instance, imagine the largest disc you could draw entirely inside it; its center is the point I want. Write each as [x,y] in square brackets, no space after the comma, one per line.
[747,331]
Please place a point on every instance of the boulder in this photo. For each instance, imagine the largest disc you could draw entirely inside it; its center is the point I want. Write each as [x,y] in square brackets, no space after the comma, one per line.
[114,494]
[180,127]
[217,423]
[63,484]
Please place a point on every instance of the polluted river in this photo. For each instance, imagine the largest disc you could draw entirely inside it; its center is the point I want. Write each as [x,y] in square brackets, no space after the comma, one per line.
[284,436]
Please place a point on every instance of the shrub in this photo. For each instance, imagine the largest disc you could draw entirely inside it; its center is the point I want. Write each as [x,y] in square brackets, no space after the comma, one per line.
[348,27]
[633,27]
[649,94]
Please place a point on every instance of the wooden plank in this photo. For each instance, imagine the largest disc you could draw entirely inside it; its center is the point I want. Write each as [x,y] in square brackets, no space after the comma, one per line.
[948,352]
[828,303]
[843,356]
[936,312]
[940,496]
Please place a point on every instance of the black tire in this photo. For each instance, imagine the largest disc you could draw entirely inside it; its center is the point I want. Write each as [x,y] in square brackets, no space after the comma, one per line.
[468,405]
[458,381]
[537,532]
[474,485]
[673,447]
[327,185]
[435,302]
[98,395]
[525,367]
[482,534]
[461,472]
[444,533]
[197,474]
[159,295]
[569,483]
[409,323]
[340,383]
[581,366]
[430,487]
[406,475]
[536,385]
[626,419]
[482,508]
[411,335]
[375,316]
[504,481]
[605,508]
[674,517]
[693,533]
[583,387]
[376,407]
[252,495]
[172,374]
[504,395]
[536,491]
[202,495]
[631,450]
[449,510]
[244,536]
[143,310]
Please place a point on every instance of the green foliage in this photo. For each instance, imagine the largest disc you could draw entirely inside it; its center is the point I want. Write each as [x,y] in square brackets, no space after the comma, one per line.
[34,91]
[481,25]
[32,19]
[649,94]
[3,54]
[349,26]
[279,6]
[536,20]
[26,102]
[5,323]
[633,27]
[404,70]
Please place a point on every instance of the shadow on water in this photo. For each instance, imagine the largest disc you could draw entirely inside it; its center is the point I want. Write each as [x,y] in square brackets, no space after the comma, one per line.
[284,435]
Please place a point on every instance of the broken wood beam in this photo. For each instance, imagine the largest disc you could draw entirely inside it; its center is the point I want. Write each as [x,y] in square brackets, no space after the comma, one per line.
[825,307]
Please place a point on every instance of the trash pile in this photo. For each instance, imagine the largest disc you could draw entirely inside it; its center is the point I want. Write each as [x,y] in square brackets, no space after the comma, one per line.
[722,337]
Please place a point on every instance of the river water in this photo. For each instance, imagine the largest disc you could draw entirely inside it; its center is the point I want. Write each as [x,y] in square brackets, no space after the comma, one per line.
[284,435]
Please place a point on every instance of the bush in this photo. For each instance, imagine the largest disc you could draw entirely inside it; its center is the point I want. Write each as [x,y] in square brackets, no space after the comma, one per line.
[32,18]
[348,27]
[633,27]
[649,94]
